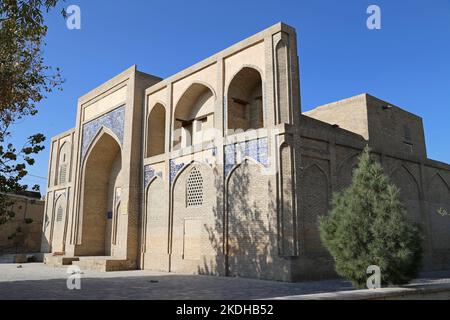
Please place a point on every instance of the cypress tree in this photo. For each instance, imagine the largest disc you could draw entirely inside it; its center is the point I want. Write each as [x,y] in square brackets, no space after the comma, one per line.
[367,225]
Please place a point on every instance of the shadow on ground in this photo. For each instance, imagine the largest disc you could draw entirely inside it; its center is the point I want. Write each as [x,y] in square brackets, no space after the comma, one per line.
[163,287]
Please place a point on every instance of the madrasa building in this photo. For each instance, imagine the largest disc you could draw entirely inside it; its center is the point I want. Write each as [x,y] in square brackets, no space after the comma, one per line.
[215,170]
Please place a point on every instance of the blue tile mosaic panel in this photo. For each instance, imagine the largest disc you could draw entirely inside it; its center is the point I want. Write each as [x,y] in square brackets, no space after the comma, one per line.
[263,152]
[174,169]
[113,120]
[255,149]
[230,158]
[149,173]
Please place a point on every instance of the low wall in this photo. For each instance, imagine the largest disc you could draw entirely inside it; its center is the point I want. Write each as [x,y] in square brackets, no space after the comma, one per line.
[23,233]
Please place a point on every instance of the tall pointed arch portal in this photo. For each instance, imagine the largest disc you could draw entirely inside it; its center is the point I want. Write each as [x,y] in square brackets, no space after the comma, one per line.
[101,196]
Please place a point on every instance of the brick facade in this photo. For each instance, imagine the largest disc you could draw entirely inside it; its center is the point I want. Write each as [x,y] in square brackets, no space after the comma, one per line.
[220,173]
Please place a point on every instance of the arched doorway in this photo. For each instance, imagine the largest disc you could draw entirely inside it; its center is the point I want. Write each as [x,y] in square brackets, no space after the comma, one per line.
[101,194]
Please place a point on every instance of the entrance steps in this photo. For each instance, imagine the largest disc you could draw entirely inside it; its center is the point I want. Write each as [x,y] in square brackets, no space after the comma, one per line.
[103,264]
[58,260]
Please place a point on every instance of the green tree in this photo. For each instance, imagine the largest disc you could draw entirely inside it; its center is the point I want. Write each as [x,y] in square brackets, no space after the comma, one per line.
[367,225]
[25,80]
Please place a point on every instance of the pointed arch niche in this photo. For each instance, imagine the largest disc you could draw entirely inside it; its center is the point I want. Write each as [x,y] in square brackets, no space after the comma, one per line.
[156,131]
[59,223]
[245,101]
[194,115]
[101,179]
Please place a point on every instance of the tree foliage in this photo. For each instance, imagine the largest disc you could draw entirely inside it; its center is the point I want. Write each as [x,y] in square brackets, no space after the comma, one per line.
[367,226]
[25,80]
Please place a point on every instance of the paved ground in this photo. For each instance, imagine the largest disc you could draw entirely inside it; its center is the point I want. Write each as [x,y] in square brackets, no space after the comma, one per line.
[37,281]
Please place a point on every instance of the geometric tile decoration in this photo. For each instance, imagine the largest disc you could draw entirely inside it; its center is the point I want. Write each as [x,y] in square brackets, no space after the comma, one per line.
[211,161]
[263,152]
[174,169]
[149,173]
[256,149]
[113,120]
[230,158]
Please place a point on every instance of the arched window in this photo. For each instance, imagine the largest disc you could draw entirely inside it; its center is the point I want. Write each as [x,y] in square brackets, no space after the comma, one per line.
[245,102]
[63,164]
[156,131]
[194,115]
[194,189]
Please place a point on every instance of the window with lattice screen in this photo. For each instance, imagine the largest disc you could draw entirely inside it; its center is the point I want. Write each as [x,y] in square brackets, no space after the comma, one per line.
[62,173]
[59,214]
[63,161]
[194,189]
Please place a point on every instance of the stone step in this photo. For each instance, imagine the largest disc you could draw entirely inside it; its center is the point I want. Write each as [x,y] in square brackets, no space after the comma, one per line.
[22,258]
[58,261]
[103,264]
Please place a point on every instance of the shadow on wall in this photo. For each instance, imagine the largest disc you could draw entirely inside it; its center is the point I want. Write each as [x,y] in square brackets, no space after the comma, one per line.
[245,238]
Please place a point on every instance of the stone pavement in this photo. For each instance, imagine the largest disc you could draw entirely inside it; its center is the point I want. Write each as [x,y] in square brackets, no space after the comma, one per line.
[38,281]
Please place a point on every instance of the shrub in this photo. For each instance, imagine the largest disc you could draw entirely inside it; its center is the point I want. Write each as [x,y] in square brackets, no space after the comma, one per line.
[367,225]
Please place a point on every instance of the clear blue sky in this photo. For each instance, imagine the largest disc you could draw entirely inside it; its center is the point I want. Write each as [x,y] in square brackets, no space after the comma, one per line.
[407,62]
